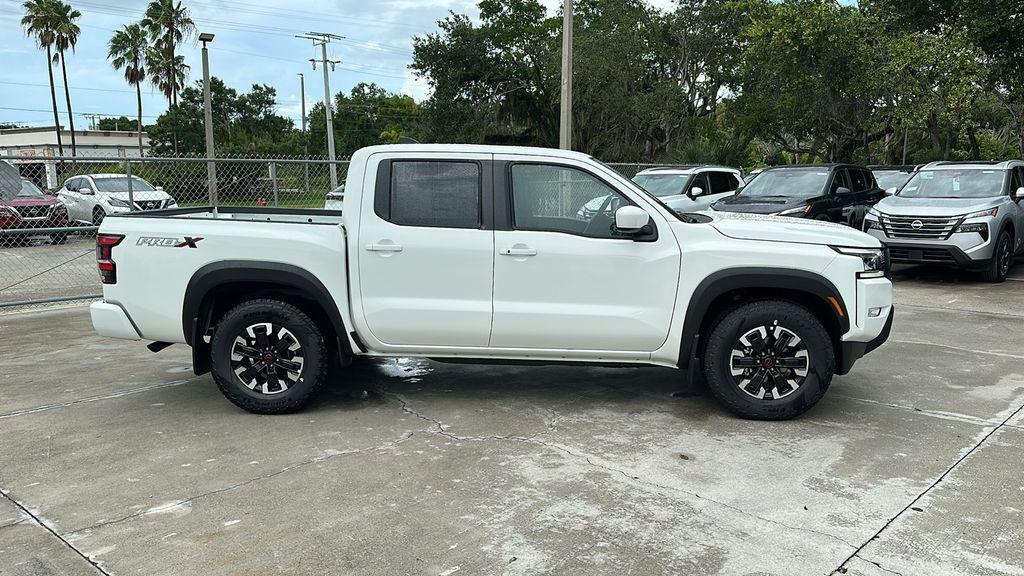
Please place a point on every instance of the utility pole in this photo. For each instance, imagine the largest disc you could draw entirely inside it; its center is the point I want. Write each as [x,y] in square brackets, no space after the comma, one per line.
[211,166]
[565,119]
[322,39]
[305,138]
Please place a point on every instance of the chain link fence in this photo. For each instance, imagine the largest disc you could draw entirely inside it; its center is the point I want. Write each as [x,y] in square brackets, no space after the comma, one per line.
[51,208]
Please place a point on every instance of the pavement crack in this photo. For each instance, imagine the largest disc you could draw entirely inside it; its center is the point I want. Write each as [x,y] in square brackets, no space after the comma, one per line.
[90,399]
[857,553]
[39,522]
[243,483]
[439,429]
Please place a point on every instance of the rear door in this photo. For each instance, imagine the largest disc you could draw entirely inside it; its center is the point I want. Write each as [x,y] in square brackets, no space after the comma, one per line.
[426,251]
[73,199]
[564,278]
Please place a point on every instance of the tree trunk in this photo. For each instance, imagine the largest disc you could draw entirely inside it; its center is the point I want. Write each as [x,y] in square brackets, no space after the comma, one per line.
[972,136]
[53,98]
[931,126]
[67,96]
[138,96]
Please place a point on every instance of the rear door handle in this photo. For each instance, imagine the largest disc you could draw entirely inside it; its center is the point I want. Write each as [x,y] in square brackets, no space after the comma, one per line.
[384,247]
[519,252]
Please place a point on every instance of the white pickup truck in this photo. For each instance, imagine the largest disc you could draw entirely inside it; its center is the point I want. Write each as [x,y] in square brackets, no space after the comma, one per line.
[484,253]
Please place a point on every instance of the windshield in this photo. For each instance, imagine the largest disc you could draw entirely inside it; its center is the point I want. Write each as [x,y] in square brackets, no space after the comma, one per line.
[121,184]
[891,178]
[27,190]
[661,185]
[793,182]
[965,183]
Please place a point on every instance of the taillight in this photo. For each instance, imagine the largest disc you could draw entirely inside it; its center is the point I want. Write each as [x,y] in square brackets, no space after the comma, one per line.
[104,247]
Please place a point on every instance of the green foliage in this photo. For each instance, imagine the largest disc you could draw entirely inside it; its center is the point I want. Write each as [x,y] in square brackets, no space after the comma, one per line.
[368,115]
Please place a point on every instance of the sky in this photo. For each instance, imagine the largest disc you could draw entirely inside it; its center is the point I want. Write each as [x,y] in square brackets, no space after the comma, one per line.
[255,43]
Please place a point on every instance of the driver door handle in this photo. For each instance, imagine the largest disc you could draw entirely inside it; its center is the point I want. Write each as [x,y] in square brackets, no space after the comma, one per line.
[518,251]
[384,247]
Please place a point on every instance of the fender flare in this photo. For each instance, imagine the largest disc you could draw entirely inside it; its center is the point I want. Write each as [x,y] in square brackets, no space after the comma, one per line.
[730,279]
[195,309]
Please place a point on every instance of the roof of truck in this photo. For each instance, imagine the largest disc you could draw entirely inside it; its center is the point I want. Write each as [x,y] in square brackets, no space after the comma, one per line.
[476,149]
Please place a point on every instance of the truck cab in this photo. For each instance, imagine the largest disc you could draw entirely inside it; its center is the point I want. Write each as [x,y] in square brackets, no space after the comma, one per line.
[485,254]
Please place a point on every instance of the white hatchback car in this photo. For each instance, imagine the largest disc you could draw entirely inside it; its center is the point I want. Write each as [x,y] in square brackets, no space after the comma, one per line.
[91,197]
[690,188]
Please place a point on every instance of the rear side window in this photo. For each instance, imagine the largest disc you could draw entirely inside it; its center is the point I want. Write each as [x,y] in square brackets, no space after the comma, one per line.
[434,193]
[722,182]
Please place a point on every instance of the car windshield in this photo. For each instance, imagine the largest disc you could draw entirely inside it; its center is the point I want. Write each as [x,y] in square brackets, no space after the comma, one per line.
[27,190]
[661,185]
[955,183]
[120,184]
[787,182]
[891,178]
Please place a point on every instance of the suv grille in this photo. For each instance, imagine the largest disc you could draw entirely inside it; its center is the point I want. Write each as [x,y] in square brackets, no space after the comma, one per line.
[925,227]
[150,204]
[34,211]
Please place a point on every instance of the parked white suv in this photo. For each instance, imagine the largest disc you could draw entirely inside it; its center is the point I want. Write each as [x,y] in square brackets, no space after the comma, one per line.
[960,214]
[457,252]
[92,197]
[690,188]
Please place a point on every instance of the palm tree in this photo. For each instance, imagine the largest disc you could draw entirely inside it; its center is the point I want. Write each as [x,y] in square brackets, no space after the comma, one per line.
[37,23]
[167,76]
[65,35]
[169,24]
[128,48]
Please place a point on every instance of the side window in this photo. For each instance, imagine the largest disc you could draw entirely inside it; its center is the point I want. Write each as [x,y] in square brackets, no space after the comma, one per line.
[1018,179]
[699,181]
[435,193]
[722,182]
[72,184]
[839,180]
[553,198]
[858,181]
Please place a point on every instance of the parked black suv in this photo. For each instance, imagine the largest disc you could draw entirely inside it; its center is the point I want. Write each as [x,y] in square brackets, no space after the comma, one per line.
[834,192]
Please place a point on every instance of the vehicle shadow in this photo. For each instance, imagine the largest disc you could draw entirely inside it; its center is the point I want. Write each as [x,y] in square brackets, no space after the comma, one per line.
[945,275]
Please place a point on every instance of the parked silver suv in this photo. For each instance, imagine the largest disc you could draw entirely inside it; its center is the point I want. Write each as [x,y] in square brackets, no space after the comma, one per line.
[964,214]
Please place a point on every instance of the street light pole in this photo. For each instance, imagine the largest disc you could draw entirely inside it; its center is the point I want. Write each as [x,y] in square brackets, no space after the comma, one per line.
[211,166]
[305,137]
[565,119]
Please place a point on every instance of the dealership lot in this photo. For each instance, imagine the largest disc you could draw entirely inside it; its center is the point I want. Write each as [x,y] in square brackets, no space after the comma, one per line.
[116,460]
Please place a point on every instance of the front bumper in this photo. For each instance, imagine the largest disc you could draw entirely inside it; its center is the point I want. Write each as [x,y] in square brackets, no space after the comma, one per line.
[964,250]
[112,321]
[852,351]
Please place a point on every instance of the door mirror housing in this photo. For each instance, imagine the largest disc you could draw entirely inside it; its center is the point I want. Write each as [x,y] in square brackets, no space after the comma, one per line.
[696,191]
[1019,193]
[843,190]
[891,191]
[85,190]
[631,219]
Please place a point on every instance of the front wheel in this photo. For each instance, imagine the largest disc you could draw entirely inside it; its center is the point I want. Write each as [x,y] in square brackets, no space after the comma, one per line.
[999,268]
[268,357]
[769,360]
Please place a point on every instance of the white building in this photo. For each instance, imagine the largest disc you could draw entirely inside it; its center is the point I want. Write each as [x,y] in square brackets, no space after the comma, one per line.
[35,150]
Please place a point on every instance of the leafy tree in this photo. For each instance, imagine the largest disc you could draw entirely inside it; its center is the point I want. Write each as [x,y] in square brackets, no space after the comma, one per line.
[38,23]
[114,124]
[127,51]
[368,115]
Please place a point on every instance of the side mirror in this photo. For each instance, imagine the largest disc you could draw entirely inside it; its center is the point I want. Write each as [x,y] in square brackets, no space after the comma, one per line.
[158,188]
[86,190]
[630,219]
[1019,194]
[696,191]
[843,190]
[891,191]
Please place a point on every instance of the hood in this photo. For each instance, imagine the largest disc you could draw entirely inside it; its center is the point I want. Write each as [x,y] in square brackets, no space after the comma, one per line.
[758,205]
[900,206]
[29,201]
[784,229]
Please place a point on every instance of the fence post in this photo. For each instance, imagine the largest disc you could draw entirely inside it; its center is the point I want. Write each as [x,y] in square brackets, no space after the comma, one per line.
[131,192]
[273,180]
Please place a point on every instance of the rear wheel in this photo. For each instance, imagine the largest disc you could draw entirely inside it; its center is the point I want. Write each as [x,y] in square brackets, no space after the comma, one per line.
[769,360]
[1002,259]
[268,357]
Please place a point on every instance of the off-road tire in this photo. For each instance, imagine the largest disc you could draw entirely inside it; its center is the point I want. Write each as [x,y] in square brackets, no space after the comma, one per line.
[725,335]
[1002,259]
[279,314]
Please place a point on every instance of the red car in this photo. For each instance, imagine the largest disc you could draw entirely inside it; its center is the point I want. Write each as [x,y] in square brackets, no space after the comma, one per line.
[30,208]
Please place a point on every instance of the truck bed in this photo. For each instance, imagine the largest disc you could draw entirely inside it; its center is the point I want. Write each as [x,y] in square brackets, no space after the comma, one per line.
[246,214]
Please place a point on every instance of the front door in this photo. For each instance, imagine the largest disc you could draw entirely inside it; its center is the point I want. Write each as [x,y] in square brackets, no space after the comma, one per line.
[425,257]
[564,278]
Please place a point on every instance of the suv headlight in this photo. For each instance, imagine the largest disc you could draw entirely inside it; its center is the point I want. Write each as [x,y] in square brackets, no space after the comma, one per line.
[875,260]
[990,213]
[794,211]
[118,203]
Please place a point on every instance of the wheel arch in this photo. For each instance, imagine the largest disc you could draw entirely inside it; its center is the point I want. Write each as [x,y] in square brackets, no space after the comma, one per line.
[720,291]
[219,286]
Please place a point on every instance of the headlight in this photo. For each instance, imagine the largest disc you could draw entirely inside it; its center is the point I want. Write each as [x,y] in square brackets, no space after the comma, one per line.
[117,202]
[9,212]
[990,213]
[794,211]
[172,203]
[976,227]
[875,260]
[870,224]
[874,213]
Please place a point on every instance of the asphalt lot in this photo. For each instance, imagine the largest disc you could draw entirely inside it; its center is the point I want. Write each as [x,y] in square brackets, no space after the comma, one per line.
[115,460]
